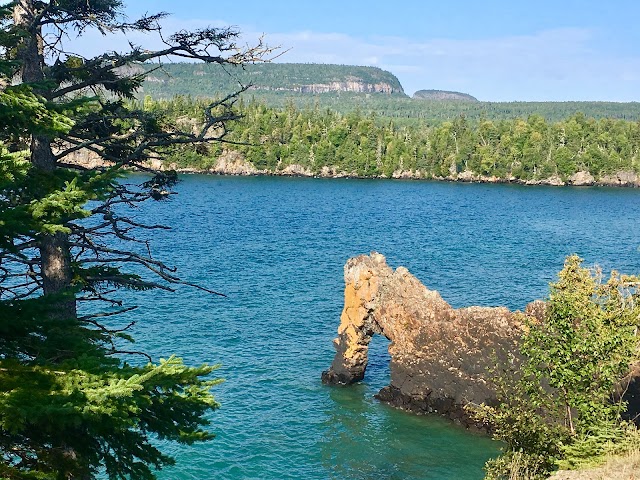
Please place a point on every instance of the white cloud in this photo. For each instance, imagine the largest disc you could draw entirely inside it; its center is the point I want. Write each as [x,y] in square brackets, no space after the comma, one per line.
[559,64]
[556,64]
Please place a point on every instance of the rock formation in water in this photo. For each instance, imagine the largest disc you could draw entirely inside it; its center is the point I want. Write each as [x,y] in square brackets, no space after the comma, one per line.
[440,356]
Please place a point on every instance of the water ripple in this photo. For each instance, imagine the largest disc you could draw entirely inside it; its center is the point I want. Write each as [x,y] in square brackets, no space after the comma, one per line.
[277,247]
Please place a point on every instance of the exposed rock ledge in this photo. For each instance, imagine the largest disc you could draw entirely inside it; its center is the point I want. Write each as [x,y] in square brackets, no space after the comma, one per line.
[439,355]
[351,84]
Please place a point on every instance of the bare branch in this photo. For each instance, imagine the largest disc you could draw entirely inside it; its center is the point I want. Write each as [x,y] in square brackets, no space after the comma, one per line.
[129,352]
[89,319]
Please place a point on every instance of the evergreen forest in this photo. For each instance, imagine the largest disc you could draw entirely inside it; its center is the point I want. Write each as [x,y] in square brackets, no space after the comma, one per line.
[370,145]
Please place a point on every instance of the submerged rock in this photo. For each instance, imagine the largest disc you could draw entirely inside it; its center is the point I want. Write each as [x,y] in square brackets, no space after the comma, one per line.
[440,356]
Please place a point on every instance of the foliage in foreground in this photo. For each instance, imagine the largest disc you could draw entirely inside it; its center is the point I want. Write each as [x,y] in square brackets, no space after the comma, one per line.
[555,407]
[74,402]
[68,403]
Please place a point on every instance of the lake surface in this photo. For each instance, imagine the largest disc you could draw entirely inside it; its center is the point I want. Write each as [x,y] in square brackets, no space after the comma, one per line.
[277,247]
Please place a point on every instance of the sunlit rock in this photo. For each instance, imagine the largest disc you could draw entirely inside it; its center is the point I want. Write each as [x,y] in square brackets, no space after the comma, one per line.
[440,356]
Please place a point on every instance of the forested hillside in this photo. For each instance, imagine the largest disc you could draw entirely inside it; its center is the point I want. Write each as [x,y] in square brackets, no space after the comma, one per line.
[202,80]
[322,140]
[408,111]
[325,86]
[443,95]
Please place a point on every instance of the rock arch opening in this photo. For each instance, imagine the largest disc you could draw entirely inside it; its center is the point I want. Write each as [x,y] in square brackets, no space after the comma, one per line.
[378,372]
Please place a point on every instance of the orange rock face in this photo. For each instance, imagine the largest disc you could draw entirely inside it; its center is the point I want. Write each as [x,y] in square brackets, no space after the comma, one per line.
[440,356]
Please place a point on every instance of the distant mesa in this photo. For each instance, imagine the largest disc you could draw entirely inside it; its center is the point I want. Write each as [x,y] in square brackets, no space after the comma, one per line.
[302,78]
[443,96]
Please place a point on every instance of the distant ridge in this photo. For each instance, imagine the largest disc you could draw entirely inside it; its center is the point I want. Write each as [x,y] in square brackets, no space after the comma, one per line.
[443,95]
[346,88]
[203,80]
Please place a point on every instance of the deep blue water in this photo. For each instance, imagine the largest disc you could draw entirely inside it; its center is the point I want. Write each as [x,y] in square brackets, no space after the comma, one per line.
[277,246]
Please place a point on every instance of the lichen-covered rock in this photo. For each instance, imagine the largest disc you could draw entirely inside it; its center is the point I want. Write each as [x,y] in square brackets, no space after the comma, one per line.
[554,181]
[233,163]
[296,170]
[440,356]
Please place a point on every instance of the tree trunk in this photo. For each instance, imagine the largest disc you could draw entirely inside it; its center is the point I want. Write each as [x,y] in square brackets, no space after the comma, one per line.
[30,49]
[55,264]
[55,256]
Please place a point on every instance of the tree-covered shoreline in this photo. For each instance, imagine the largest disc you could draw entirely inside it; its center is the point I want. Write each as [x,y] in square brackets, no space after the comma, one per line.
[322,142]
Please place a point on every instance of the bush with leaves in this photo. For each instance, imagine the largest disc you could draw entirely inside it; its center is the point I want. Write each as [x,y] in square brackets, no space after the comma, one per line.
[555,401]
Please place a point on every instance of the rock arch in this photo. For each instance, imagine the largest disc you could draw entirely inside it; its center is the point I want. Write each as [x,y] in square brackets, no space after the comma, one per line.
[439,355]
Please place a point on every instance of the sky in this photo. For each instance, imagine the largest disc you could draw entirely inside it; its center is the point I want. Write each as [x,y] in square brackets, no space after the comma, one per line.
[495,50]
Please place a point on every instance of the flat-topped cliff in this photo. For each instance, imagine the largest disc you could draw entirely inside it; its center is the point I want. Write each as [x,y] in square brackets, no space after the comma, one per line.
[201,80]
[443,96]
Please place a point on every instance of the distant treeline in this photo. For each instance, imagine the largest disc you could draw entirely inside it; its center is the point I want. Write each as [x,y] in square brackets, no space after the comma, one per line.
[409,111]
[361,144]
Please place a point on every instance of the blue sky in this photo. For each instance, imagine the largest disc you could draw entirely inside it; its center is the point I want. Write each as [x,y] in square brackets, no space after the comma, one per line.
[495,50]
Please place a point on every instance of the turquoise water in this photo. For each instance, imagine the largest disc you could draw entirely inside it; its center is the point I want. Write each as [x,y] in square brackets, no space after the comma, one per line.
[277,246]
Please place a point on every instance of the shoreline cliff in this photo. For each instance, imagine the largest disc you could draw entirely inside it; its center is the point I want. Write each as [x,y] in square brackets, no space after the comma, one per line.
[579,179]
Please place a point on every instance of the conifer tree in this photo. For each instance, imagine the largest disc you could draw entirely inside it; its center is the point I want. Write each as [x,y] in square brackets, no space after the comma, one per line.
[72,403]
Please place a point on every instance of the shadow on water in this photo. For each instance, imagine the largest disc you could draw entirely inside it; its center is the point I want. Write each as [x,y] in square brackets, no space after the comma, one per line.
[364,439]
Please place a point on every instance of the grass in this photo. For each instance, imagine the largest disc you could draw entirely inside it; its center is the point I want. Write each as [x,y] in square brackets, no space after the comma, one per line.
[622,467]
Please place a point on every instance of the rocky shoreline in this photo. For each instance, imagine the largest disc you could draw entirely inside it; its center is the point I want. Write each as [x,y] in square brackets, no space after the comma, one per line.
[226,166]
[422,404]
[233,163]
